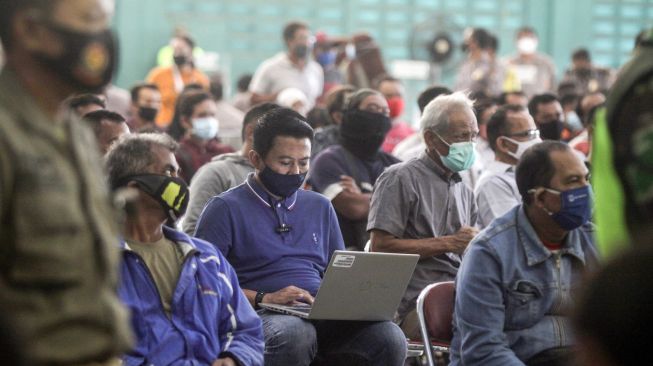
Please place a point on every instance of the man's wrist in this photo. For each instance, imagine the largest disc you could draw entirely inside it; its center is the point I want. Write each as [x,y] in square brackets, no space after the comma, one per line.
[258,299]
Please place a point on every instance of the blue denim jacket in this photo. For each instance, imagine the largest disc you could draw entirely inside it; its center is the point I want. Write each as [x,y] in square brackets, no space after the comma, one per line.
[513,294]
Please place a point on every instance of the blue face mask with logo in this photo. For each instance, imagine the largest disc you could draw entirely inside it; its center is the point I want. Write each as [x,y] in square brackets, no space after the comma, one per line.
[461,155]
[205,128]
[576,207]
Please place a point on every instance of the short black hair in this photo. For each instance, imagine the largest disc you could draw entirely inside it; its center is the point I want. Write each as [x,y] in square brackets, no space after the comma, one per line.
[566,87]
[581,54]
[535,102]
[569,99]
[279,122]
[95,118]
[493,43]
[429,94]
[481,37]
[481,105]
[498,125]
[8,10]
[193,87]
[503,97]
[535,168]
[256,112]
[318,117]
[243,82]
[81,100]
[216,85]
[135,91]
[291,28]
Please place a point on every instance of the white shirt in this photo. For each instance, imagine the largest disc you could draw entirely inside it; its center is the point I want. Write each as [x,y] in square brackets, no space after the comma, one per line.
[278,73]
[496,192]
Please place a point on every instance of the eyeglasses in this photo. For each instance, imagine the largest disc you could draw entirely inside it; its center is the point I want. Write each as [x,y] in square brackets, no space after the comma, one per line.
[530,134]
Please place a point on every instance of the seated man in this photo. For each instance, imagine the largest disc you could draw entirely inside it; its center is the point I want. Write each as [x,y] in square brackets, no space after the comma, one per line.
[510,131]
[518,278]
[422,207]
[186,305]
[107,126]
[346,173]
[279,239]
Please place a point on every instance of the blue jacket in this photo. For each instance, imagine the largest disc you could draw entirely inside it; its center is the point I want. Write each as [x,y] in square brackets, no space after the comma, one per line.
[513,294]
[211,316]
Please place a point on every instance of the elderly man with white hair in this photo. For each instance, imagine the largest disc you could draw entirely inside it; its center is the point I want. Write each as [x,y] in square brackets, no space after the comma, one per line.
[421,207]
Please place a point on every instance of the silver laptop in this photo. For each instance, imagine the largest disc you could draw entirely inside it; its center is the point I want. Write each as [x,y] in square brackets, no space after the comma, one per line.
[357,286]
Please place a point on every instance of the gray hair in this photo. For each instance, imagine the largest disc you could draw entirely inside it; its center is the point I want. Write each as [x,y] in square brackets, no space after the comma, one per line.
[132,154]
[436,114]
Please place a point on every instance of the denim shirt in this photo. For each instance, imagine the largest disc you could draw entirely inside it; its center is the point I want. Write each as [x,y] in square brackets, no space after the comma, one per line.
[513,294]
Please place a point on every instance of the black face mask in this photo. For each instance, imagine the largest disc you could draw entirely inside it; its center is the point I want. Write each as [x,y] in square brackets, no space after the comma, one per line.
[283,185]
[147,113]
[88,61]
[551,130]
[170,192]
[584,73]
[300,51]
[180,60]
[363,132]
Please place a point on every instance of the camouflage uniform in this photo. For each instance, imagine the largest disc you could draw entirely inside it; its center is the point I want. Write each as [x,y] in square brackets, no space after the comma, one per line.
[58,236]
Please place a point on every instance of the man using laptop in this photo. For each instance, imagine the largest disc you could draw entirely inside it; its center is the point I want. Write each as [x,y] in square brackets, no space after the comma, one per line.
[279,238]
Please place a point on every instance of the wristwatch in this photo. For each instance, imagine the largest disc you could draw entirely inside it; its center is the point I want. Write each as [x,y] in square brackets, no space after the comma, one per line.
[258,298]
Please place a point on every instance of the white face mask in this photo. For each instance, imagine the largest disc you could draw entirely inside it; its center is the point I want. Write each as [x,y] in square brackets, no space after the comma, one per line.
[521,146]
[527,45]
[205,128]
[350,51]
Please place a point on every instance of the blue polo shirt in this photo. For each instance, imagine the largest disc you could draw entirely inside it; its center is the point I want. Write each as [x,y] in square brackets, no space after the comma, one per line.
[243,224]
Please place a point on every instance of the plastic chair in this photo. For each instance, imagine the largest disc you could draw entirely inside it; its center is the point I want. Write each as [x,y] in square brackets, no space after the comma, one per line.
[435,313]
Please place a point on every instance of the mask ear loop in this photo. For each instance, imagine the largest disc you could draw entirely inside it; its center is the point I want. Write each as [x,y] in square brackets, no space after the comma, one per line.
[506,148]
[537,191]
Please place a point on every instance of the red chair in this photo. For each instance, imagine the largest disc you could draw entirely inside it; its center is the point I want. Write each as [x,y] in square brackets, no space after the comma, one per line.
[435,313]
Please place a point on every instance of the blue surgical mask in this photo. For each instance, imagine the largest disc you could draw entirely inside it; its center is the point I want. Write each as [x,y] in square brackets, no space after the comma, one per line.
[461,155]
[283,185]
[327,58]
[205,128]
[573,121]
[576,207]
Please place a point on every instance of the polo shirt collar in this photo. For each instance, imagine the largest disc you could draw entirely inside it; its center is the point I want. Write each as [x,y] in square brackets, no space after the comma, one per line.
[265,198]
[426,159]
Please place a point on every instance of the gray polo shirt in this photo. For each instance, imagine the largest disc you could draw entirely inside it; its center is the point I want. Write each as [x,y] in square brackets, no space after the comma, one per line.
[221,174]
[416,200]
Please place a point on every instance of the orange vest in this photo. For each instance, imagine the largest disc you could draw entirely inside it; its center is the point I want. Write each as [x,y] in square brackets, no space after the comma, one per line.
[163,78]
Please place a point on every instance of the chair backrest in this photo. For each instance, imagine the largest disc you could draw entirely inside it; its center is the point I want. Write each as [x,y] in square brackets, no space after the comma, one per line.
[437,303]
